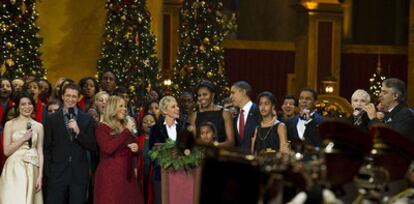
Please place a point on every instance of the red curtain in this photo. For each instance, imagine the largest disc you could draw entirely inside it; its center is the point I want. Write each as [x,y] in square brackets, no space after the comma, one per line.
[263,70]
[356,69]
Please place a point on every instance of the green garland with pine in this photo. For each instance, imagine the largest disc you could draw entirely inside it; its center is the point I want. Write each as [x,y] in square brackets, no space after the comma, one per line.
[169,157]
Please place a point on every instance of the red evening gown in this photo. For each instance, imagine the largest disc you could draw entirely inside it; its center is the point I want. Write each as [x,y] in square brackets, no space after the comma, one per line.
[115,182]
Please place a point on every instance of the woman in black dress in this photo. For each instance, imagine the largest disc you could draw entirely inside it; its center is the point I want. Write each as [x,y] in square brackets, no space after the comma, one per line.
[209,111]
[271,134]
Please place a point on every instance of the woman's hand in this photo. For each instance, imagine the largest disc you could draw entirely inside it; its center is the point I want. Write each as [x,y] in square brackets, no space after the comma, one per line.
[131,124]
[38,185]
[133,147]
[28,135]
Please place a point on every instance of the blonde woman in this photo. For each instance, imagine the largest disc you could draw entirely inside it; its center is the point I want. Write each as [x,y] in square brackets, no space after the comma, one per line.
[97,107]
[21,179]
[114,178]
[167,127]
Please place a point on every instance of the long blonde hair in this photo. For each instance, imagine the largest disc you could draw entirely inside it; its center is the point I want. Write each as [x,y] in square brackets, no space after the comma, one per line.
[110,111]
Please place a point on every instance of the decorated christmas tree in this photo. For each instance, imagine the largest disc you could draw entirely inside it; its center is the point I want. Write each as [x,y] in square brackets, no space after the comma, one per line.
[19,40]
[128,47]
[375,82]
[201,55]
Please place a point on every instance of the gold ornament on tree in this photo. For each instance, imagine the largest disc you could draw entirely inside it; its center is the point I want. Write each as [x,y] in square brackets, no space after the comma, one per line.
[3,69]
[10,62]
[23,8]
[123,18]
[202,49]
[9,45]
[206,40]
[137,39]
[216,48]
[209,74]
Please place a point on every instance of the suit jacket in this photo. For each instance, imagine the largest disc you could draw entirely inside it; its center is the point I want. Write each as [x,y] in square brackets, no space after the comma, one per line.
[401,119]
[311,134]
[253,120]
[159,134]
[63,154]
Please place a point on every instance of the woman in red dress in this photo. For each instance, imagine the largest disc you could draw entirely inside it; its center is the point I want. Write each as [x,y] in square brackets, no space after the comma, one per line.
[114,179]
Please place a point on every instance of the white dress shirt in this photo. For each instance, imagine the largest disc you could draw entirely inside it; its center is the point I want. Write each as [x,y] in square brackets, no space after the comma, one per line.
[246,108]
[301,126]
[172,131]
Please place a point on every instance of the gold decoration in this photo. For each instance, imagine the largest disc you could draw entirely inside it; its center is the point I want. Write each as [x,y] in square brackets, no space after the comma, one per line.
[127,35]
[123,18]
[139,20]
[9,45]
[137,39]
[206,40]
[132,88]
[3,69]
[220,70]
[13,2]
[202,48]
[149,88]
[34,72]
[209,74]
[23,8]
[216,48]
[10,62]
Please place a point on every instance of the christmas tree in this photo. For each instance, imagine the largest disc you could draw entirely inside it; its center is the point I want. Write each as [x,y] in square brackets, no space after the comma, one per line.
[19,40]
[200,55]
[375,82]
[128,47]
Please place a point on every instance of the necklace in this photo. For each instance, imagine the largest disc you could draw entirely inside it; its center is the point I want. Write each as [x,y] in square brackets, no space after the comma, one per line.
[263,138]
[266,123]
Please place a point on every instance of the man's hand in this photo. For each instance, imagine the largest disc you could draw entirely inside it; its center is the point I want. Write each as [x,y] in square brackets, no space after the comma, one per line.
[74,126]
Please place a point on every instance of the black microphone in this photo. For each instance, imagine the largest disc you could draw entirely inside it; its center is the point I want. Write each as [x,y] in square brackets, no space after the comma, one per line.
[72,116]
[28,127]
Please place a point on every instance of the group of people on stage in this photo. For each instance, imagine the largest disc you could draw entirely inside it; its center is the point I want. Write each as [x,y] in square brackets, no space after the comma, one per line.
[89,142]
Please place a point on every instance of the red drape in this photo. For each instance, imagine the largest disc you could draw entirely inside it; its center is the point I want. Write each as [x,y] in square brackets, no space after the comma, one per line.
[264,70]
[356,69]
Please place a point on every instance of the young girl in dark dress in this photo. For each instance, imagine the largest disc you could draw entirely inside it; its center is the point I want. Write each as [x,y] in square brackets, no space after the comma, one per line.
[208,111]
[271,134]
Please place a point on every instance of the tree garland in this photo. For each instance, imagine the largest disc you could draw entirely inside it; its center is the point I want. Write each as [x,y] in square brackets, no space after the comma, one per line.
[169,157]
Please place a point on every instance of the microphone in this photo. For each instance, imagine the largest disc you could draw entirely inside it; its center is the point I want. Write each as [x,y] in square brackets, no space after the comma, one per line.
[130,119]
[72,115]
[28,127]
[360,112]
[304,115]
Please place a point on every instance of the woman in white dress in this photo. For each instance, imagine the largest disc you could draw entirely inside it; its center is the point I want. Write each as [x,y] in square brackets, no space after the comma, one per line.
[21,178]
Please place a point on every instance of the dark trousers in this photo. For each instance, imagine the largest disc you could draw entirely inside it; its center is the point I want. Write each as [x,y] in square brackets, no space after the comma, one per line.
[66,193]
[64,190]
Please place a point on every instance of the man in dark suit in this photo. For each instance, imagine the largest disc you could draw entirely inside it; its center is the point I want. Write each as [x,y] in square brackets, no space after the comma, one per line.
[304,127]
[248,118]
[69,133]
[398,116]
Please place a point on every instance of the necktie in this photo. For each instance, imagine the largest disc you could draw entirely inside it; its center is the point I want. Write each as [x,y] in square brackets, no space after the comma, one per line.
[241,124]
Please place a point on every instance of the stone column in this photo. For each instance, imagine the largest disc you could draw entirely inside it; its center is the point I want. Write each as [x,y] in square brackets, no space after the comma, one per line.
[318,47]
